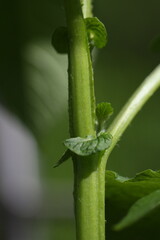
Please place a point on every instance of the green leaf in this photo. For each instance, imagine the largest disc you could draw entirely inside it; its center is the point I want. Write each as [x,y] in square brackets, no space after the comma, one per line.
[121,194]
[89,145]
[140,209]
[64,158]
[103,112]
[126,191]
[147,175]
[60,40]
[96,32]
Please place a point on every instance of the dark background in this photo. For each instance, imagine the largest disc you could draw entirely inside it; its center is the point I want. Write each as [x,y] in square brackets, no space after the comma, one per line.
[33,88]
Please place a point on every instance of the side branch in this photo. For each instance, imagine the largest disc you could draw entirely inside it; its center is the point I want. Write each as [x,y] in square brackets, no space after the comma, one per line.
[133,106]
[87,8]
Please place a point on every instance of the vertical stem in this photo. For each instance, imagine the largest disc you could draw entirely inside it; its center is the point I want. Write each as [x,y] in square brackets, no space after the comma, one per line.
[89,199]
[89,173]
[81,105]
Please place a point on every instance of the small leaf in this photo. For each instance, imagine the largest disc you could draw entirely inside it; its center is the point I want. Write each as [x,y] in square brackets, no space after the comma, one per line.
[103,112]
[139,210]
[89,145]
[96,32]
[64,158]
[60,40]
[104,141]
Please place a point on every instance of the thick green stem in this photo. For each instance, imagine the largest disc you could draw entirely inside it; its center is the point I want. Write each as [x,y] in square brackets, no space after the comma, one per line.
[89,174]
[89,199]
[82,109]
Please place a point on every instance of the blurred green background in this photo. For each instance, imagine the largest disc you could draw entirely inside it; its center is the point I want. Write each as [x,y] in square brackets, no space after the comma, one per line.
[33,87]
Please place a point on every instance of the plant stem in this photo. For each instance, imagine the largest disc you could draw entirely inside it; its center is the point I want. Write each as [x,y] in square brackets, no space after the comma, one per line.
[89,199]
[81,87]
[132,107]
[87,8]
[89,173]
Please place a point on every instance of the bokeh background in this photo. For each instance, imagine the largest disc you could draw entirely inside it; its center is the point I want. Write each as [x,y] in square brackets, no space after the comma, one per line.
[35,199]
